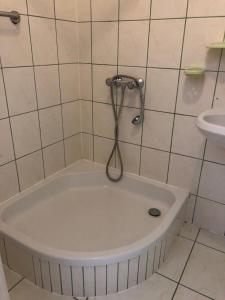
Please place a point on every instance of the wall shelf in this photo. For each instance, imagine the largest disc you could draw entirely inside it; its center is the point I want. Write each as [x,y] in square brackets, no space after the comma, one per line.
[194,71]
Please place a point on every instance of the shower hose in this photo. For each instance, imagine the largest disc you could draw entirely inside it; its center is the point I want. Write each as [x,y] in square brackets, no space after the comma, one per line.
[116,133]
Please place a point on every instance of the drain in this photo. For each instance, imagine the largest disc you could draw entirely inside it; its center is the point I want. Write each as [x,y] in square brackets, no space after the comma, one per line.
[154,212]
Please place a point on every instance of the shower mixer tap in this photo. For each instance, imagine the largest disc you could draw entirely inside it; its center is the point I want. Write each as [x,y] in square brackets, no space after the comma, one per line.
[130,82]
[123,81]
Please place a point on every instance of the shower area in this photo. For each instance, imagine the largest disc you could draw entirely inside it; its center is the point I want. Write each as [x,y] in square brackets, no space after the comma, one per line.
[99,100]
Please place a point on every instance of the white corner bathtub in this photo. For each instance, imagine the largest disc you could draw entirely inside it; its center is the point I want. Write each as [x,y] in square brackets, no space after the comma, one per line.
[79,234]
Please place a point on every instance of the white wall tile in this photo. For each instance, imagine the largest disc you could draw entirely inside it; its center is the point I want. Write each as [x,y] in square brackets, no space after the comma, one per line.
[26,133]
[103,120]
[67,46]
[219,100]
[212,186]
[84,30]
[133,43]
[104,42]
[73,149]
[164,48]
[129,132]
[200,32]
[84,13]
[71,118]
[195,94]
[30,169]
[53,158]
[87,146]
[190,208]
[47,83]
[101,92]
[85,82]
[44,8]
[157,130]
[214,153]
[19,35]
[168,9]
[8,174]
[68,83]
[86,116]
[161,89]
[20,88]
[154,164]
[102,149]
[203,8]
[131,157]
[51,125]
[210,215]
[187,139]
[3,105]
[66,10]
[134,10]
[102,12]
[6,145]
[184,172]
[41,46]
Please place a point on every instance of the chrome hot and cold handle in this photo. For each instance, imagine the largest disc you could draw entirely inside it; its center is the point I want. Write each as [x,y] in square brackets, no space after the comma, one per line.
[130,83]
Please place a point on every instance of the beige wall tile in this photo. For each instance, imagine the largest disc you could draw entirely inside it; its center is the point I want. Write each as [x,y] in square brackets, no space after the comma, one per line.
[47,83]
[103,12]
[133,43]
[168,9]
[66,10]
[51,125]
[157,131]
[71,118]
[6,144]
[134,10]
[69,82]
[26,133]
[44,8]
[8,174]
[20,89]
[154,164]
[104,42]
[73,149]
[41,46]
[164,48]
[10,56]
[54,158]
[30,169]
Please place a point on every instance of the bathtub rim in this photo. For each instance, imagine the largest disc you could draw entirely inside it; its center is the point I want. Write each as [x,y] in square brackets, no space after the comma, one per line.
[96,258]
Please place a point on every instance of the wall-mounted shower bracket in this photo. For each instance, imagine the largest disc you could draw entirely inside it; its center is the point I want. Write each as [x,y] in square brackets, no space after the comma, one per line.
[13,15]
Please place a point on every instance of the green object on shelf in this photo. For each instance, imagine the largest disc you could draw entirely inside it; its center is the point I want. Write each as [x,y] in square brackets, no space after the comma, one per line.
[194,71]
[219,45]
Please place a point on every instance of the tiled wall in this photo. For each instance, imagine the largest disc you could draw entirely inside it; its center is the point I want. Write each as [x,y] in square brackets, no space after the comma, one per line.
[156,40]
[39,107]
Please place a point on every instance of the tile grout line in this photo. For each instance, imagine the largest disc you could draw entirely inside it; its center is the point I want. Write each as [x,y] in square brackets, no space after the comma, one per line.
[145,86]
[10,125]
[92,84]
[16,284]
[192,248]
[177,91]
[36,97]
[59,77]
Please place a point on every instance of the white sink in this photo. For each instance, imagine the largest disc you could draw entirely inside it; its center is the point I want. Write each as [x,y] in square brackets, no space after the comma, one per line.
[212,124]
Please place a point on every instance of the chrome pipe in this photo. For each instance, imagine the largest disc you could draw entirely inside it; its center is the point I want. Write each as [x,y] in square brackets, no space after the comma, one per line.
[14,16]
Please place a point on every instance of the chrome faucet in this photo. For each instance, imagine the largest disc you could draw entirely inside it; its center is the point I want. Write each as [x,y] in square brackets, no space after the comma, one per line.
[130,82]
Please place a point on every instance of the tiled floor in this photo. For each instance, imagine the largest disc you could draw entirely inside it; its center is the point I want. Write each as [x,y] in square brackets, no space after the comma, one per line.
[194,270]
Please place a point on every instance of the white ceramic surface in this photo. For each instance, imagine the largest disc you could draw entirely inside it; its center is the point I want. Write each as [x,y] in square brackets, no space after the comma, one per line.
[212,124]
[117,242]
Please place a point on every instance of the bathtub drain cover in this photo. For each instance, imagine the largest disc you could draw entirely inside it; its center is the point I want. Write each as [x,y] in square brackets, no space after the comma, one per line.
[154,212]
